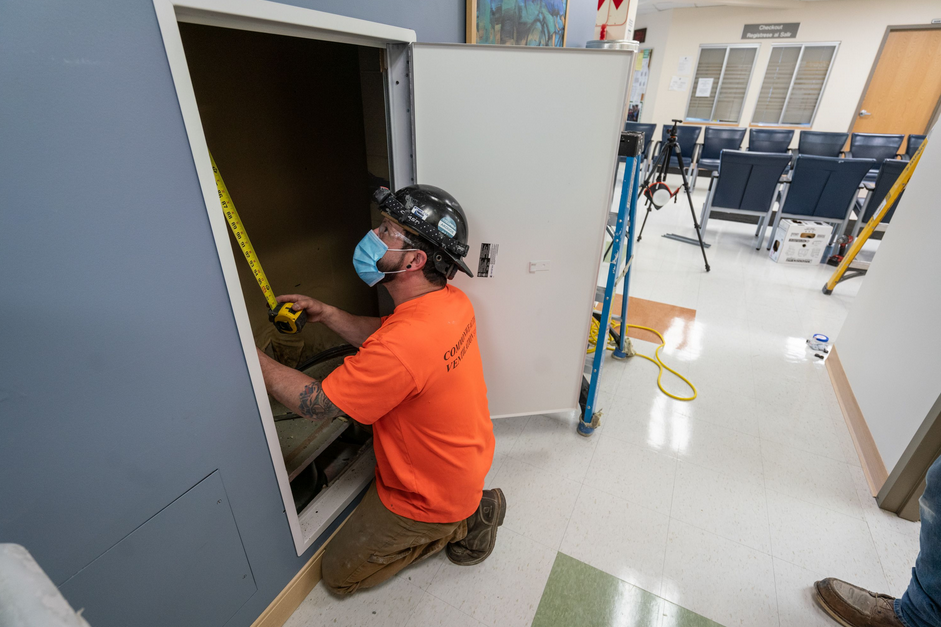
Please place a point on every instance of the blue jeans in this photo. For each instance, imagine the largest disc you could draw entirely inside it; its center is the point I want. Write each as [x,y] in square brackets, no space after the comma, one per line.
[920,606]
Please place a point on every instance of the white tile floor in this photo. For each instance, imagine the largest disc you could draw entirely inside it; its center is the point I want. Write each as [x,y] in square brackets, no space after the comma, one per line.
[731,505]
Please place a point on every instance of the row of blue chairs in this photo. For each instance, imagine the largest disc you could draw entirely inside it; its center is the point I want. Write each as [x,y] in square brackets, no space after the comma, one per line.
[824,189]
[705,155]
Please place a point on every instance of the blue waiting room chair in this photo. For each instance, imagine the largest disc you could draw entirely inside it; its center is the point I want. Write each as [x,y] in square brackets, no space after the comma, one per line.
[914,141]
[821,144]
[889,172]
[769,140]
[745,183]
[648,130]
[686,136]
[878,146]
[715,140]
[822,189]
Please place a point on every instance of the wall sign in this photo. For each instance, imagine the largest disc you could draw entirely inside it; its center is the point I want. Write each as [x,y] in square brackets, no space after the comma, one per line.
[770,31]
[488,259]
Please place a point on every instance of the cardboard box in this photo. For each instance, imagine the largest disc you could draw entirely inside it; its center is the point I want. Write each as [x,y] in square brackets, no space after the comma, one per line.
[800,242]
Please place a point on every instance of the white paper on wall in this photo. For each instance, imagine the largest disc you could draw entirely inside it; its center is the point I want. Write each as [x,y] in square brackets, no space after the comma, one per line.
[704,87]
[679,83]
[684,66]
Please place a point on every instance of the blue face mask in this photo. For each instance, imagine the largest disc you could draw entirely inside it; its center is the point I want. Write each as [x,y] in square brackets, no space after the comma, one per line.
[368,252]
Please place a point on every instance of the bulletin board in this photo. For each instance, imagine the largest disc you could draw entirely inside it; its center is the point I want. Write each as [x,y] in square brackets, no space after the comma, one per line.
[639,85]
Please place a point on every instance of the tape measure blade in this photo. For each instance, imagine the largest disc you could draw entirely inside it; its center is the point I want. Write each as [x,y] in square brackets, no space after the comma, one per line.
[241,236]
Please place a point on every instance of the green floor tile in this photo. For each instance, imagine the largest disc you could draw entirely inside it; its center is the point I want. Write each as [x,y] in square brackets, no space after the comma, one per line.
[579,594]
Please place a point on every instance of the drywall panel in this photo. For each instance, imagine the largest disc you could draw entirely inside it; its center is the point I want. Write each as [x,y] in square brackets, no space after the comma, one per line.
[184,566]
[526,140]
[890,344]
[441,21]
[858,25]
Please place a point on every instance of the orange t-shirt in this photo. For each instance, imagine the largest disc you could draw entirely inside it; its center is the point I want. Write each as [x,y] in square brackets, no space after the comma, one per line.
[419,381]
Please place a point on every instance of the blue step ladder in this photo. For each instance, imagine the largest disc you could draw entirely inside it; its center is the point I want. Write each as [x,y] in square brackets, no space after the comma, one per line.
[619,269]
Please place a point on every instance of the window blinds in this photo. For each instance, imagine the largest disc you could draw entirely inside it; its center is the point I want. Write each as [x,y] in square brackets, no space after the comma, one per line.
[711,62]
[730,68]
[793,84]
[734,83]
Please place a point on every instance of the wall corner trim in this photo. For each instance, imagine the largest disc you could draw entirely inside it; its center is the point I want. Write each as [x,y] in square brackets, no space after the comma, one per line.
[873,466]
[288,600]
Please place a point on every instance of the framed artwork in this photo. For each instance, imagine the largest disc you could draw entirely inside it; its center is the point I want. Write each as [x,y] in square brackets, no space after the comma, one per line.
[517,22]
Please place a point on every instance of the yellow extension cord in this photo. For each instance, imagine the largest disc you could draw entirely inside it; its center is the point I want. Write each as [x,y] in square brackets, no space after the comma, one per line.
[611,345]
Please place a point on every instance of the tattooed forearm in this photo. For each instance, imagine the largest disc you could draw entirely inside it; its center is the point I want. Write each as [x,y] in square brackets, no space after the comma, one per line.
[314,404]
[283,383]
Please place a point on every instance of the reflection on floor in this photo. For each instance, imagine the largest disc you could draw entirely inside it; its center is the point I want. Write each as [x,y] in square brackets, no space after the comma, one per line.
[730,506]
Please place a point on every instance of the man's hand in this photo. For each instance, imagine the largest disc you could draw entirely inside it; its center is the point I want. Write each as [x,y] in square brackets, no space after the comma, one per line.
[314,308]
[353,329]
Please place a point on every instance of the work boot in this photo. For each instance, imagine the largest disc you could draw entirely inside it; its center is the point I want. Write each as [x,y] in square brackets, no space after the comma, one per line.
[852,606]
[481,530]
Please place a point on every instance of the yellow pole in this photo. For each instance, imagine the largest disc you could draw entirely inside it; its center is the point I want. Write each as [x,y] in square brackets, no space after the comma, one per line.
[874,221]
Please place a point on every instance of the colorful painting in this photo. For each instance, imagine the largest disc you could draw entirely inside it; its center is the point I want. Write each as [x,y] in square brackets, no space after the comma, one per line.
[517,22]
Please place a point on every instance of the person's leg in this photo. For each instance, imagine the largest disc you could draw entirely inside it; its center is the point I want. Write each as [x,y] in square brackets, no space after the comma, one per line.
[375,544]
[920,606]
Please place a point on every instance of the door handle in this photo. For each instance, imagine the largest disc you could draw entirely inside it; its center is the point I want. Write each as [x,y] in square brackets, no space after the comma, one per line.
[863,113]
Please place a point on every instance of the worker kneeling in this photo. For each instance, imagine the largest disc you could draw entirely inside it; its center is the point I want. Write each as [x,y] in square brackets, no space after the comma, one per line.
[418,380]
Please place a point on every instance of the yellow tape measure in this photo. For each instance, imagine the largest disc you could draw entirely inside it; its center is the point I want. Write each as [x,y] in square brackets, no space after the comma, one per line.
[285,319]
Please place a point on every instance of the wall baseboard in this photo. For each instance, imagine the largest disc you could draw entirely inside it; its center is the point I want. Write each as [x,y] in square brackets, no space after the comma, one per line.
[279,611]
[873,466]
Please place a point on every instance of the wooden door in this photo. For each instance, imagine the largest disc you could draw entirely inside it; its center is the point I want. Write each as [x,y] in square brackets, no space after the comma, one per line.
[905,87]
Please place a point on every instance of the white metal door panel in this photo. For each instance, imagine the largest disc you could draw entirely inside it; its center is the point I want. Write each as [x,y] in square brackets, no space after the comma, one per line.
[526,140]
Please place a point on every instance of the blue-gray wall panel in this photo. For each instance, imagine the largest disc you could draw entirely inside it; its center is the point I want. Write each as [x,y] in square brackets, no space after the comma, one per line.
[196,539]
[438,21]
[122,382]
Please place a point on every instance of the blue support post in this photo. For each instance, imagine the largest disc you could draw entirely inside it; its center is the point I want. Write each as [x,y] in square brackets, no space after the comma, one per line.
[630,150]
[619,352]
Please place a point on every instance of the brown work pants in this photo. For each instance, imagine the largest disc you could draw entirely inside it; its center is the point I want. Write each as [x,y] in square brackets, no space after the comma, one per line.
[375,544]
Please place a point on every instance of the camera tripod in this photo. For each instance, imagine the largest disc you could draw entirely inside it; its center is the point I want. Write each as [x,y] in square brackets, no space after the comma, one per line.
[656,175]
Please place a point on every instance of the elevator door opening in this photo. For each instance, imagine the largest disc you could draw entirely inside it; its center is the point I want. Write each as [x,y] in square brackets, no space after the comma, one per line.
[297,128]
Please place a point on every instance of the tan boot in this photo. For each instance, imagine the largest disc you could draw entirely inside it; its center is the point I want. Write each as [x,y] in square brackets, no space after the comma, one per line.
[481,536]
[852,606]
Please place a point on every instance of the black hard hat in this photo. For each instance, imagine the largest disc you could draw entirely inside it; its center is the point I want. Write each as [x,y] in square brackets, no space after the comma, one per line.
[436,217]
